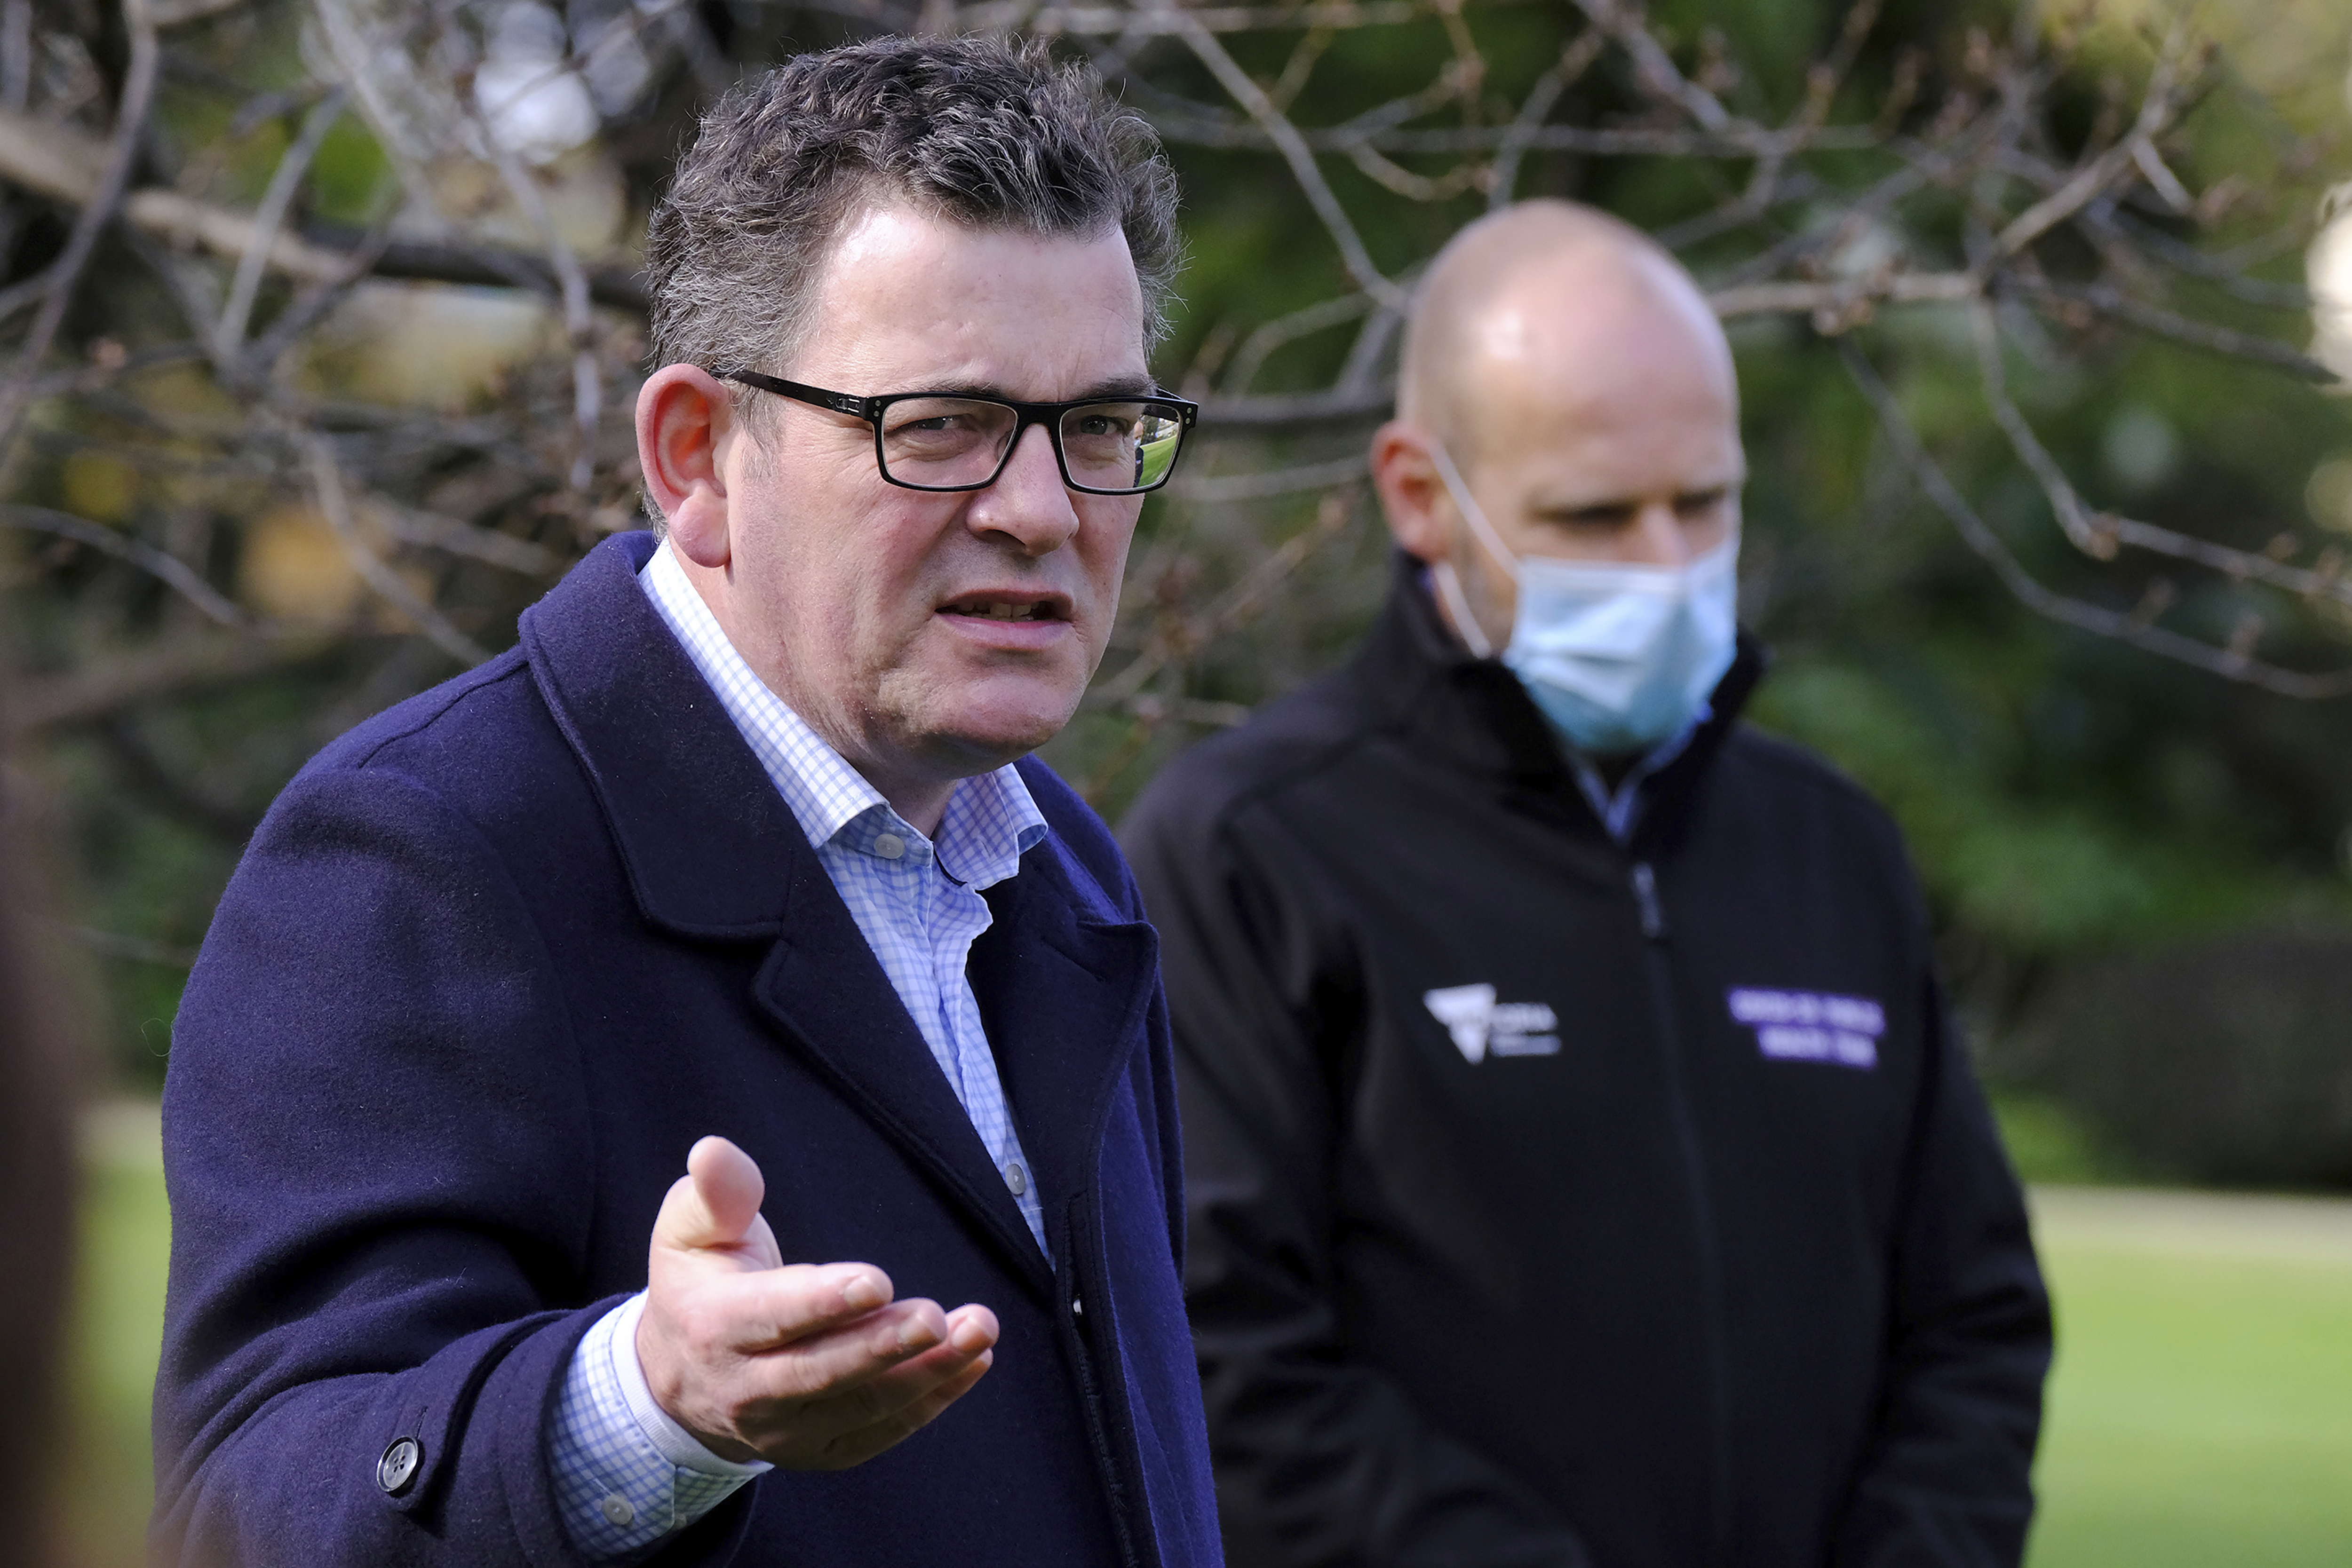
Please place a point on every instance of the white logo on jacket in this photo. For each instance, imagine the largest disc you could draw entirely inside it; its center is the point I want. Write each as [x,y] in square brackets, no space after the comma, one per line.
[1482,1027]
[1807,1026]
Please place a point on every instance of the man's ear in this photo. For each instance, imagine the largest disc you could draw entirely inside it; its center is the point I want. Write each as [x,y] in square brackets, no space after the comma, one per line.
[684,420]
[1420,514]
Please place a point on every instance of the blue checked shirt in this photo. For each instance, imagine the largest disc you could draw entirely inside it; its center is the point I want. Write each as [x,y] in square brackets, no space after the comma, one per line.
[625,1474]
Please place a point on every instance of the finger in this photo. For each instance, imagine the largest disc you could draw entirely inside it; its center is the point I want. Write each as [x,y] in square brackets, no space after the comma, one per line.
[883,1347]
[972,1328]
[723,1315]
[710,1345]
[824,1364]
[717,1203]
[894,1426]
[801,1432]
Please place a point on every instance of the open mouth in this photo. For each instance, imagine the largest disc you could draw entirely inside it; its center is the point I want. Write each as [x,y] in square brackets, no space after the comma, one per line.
[994,607]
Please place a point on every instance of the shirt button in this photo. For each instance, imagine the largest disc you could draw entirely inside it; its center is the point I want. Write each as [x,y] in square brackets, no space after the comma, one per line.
[616,1511]
[1015,1178]
[398,1466]
[889,846]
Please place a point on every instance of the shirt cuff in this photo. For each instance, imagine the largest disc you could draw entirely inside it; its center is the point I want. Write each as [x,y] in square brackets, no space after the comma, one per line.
[671,1440]
[624,1474]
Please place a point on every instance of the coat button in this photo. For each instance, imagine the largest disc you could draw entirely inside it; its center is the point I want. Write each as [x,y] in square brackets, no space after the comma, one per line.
[1015,1178]
[398,1466]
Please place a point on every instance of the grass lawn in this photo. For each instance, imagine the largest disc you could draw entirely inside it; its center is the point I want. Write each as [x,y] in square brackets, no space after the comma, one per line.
[126,1232]
[2201,1415]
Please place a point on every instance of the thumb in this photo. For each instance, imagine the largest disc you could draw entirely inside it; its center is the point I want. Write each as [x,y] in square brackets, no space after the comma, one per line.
[716,1204]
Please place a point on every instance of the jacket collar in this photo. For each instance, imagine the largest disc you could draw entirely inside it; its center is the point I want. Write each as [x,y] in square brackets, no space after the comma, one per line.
[1459,710]
[713,853]
[711,848]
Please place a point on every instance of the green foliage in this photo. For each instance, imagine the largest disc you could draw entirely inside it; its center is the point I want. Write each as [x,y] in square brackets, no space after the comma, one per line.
[352,181]
[2224,1060]
[2047,1142]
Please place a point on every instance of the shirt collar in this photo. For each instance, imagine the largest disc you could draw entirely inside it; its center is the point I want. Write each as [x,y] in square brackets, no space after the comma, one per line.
[991,821]
[1619,810]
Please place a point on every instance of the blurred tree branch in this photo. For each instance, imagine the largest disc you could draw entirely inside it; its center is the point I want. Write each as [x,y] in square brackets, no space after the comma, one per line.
[317,509]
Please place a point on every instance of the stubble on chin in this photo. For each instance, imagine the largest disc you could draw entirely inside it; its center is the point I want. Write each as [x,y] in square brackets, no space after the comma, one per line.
[956,728]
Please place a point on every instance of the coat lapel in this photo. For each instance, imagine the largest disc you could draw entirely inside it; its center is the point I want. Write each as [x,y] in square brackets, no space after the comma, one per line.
[824,985]
[709,845]
[714,854]
[1062,1001]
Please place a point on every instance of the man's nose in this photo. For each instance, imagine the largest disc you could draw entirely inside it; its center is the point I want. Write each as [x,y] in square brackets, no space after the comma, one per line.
[1028,504]
[1659,537]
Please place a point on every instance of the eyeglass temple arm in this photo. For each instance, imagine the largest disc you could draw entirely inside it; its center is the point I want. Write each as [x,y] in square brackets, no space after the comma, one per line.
[840,403]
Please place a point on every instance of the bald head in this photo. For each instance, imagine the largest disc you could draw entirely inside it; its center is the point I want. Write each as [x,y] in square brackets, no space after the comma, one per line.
[1572,371]
[1552,299]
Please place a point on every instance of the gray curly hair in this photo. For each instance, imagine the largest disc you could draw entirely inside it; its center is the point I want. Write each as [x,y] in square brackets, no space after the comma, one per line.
[991,135]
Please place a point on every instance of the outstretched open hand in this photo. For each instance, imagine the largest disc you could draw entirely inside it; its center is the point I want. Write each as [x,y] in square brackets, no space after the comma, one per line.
[808,1366]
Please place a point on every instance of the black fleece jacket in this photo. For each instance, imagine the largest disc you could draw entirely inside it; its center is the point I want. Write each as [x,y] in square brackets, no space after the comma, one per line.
[1559,1202]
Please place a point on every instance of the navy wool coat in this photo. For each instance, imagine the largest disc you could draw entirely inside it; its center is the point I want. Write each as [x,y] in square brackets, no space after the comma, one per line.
[493,962]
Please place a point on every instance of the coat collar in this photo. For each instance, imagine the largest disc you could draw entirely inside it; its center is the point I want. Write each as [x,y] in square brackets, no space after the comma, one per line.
[711,848]
[1473,714]
[713,854]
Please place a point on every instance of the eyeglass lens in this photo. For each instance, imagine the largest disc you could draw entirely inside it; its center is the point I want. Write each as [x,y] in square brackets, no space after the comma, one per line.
[948,443]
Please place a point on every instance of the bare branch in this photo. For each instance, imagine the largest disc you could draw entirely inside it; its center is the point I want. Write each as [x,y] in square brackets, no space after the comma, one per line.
[2231,663]
[179,13]
[2157,106]
[1624,21]
[168,668]
[270,217]
[174,572]
[431,530]
[1262,343]
[1285,136]
[113,179]
[1842,299]
[1519,137]
[2179,328]
[2098,535]
[327,479]
[135,949]
[1333,516]
[1306,411]
[1226,487]
[59,162]
[586,380]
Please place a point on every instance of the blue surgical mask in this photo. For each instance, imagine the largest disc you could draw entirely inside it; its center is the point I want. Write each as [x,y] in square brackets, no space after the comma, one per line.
[1618,657]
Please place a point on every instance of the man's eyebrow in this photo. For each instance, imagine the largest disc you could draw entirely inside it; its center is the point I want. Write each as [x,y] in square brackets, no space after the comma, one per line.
[1621,507]
[1123,386]
[1116,387]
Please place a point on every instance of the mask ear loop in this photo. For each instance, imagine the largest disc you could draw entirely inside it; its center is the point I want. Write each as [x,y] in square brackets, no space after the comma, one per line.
[1449,583]
[1449,587]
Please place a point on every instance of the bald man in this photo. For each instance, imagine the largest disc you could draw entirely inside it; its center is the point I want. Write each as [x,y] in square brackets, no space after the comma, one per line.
[1582,1167]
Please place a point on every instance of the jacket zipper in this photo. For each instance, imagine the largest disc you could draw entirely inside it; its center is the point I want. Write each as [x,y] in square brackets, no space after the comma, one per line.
[1714,1330]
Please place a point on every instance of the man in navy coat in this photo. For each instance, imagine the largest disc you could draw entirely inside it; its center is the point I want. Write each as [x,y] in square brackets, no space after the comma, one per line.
[736,865]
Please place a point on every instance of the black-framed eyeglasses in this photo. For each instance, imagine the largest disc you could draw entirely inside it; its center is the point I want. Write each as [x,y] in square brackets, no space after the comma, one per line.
[951,441]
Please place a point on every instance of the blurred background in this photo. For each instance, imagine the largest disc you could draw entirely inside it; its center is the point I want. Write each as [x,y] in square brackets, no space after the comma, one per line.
[319,326]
